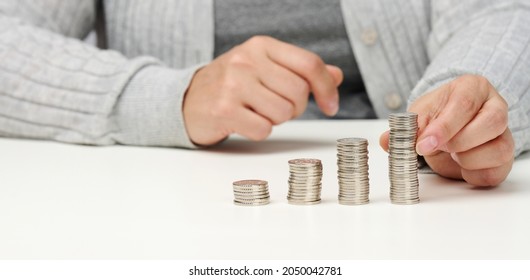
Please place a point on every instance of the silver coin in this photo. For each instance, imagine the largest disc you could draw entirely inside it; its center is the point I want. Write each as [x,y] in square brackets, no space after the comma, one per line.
[352,172]
[298,202]
[252,182]
[402,158]
[353,202]
[251,192]
[256,203]
[305,181]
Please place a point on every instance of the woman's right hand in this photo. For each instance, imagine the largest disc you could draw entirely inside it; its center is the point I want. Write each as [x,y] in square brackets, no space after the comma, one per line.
[258,84]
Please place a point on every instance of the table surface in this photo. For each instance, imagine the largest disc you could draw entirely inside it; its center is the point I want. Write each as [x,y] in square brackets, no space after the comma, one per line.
[60,201]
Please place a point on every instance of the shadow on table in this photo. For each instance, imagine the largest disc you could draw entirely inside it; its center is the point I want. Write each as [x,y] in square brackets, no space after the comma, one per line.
[242,146]
[437,188]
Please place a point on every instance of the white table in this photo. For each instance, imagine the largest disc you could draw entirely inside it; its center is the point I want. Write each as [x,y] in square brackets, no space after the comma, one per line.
[71,202]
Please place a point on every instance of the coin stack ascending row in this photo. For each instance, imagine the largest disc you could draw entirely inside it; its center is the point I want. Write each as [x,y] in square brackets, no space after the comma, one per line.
[352,162]
[251,192]
[402,158]
[305,181]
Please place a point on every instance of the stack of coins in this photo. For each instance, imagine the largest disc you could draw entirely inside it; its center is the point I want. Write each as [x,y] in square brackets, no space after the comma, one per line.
[305,181]
[352,161]
[402,159]
[251,192]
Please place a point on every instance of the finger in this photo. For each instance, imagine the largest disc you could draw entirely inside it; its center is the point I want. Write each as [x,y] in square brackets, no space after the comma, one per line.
[494,153]
[310,67]
[250,125]
[490,177]
[336,73]
[465,97]
[268,104]
[287,84]
[493,116]
[442,164]
[383,140]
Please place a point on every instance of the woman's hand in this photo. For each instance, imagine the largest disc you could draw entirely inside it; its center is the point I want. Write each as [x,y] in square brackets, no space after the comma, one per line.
[258,84]
[463,131]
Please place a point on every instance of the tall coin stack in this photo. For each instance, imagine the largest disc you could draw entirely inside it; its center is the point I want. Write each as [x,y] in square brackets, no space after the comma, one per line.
[352,161]
[251,192]
[305,181]
[402,159]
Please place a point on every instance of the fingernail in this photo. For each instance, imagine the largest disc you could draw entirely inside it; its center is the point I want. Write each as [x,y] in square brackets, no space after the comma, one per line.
[427,145]
[454,157]
[333,105]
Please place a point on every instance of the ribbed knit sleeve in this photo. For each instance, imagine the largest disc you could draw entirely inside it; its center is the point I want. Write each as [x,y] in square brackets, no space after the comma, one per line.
[488,38]
[56,87]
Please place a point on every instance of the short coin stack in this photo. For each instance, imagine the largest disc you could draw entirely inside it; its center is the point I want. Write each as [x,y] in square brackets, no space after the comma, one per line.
[251,192]
[305,181]
[402,159]
[352,161]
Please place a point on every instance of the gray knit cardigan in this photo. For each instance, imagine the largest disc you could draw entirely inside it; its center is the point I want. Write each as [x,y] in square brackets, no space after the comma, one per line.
[55,86]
